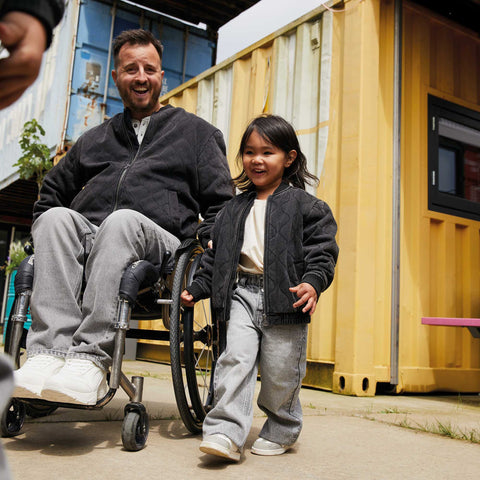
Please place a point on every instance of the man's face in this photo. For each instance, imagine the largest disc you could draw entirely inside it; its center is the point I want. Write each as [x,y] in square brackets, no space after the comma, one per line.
[138,77]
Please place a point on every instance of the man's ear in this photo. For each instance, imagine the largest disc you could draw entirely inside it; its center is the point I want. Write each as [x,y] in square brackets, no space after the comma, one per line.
[114,76]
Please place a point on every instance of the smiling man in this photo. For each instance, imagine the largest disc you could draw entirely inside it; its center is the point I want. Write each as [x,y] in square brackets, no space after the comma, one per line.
[138,74]
[129,189]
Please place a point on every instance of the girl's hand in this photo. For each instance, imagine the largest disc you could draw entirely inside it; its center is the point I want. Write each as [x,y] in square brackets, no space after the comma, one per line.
[187,299]
[306,295]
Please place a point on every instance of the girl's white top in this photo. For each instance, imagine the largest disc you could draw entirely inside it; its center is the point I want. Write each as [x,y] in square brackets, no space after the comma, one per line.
[251,256]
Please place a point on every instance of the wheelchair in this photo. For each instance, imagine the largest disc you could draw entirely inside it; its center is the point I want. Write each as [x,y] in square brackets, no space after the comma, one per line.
[146,292]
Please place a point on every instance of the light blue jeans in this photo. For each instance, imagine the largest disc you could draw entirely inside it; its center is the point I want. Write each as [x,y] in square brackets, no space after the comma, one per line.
[279,350]
[63,322]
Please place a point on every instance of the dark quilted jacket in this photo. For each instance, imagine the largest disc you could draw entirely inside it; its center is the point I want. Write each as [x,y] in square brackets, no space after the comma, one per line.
[300,247]
[178,172]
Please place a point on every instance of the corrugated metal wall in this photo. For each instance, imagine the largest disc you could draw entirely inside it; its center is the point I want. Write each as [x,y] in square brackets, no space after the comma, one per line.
[440,253]
[360,153]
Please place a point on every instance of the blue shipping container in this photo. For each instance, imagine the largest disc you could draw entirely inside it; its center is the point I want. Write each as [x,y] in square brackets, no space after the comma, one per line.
[188,52]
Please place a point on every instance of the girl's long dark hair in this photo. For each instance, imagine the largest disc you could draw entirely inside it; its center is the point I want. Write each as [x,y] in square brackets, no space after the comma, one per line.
[277,131]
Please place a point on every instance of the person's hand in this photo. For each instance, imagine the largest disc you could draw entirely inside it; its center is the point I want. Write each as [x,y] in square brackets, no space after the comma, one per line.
[187,299]
[25,38]
[210,244]
[307,296]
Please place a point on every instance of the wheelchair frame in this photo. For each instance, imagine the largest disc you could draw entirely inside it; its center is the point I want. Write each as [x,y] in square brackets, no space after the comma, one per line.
[195,344]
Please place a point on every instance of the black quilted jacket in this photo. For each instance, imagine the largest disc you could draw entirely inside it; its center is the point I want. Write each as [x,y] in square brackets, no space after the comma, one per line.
[178,172]
[300,247]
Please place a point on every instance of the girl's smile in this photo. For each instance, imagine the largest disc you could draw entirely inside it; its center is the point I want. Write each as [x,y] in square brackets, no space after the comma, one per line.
[265,163]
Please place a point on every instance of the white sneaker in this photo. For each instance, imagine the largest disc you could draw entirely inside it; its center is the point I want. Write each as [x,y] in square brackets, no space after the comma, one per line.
[266,447]
[79,381]
[30,378]
[221,446]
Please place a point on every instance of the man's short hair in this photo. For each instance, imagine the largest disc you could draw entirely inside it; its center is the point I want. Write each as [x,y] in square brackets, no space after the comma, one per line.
[135,37]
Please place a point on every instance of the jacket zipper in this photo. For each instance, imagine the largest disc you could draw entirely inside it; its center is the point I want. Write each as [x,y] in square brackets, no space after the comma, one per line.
[237,240]
[265,297]
[125,169]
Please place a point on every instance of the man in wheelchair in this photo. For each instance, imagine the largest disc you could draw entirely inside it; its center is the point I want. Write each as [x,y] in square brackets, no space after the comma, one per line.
[129,189]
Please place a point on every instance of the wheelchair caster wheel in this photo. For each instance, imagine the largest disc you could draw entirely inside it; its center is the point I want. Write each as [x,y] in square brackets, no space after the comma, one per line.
[13,418]
[134,430]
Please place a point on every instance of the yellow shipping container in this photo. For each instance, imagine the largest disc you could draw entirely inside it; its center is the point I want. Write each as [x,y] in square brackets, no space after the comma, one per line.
[333,73]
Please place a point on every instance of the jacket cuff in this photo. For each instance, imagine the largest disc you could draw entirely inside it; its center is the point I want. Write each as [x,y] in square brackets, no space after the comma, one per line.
[314,281]
[196,292]
[49,14]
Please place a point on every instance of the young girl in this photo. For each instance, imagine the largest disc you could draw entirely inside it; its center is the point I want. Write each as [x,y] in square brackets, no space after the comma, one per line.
[273,253]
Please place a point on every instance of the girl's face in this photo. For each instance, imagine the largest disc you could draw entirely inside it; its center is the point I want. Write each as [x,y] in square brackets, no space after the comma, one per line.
[264,164]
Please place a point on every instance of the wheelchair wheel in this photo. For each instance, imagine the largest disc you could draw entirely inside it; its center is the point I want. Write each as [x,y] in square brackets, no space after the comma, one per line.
[192,346]
[13,418]
[134,431]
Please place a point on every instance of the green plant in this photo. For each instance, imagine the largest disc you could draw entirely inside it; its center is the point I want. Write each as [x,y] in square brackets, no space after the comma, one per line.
[35,161]
[16,254]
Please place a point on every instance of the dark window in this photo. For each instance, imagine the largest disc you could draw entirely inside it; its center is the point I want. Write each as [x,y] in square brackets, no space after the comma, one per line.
[453,159]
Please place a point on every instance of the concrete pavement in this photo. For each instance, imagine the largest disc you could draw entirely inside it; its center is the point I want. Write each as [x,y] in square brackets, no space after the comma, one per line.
[373,438]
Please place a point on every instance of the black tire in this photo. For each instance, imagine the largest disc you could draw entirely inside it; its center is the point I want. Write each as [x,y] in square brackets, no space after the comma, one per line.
[200,355]
[135,431]
[13,418]
[192,346]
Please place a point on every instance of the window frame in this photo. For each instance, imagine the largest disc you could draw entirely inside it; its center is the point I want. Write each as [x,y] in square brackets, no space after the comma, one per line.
[441,201]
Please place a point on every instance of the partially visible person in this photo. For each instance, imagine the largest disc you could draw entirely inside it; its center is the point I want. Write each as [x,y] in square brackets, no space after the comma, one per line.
[129,189]
[6,387]
[274,252]
[25,32]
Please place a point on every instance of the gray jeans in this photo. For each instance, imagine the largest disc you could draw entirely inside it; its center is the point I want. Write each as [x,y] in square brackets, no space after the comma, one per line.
[280,351]
[63,325]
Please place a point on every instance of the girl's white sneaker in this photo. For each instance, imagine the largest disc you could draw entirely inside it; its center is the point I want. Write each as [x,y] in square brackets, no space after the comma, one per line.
[221,446]
[266,447]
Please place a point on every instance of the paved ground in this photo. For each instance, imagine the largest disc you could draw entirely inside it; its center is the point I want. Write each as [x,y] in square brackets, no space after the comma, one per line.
[382,437]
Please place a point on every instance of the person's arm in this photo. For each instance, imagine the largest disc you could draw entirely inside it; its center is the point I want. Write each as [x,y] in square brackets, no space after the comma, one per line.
[320,247]
[25,31]
[321,253]
[215,184]
[61,183]
[201,286]
[47,12]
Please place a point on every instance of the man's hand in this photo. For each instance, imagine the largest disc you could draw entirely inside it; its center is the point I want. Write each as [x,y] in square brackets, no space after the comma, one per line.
[306,295]
[187,299]
[25,38]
